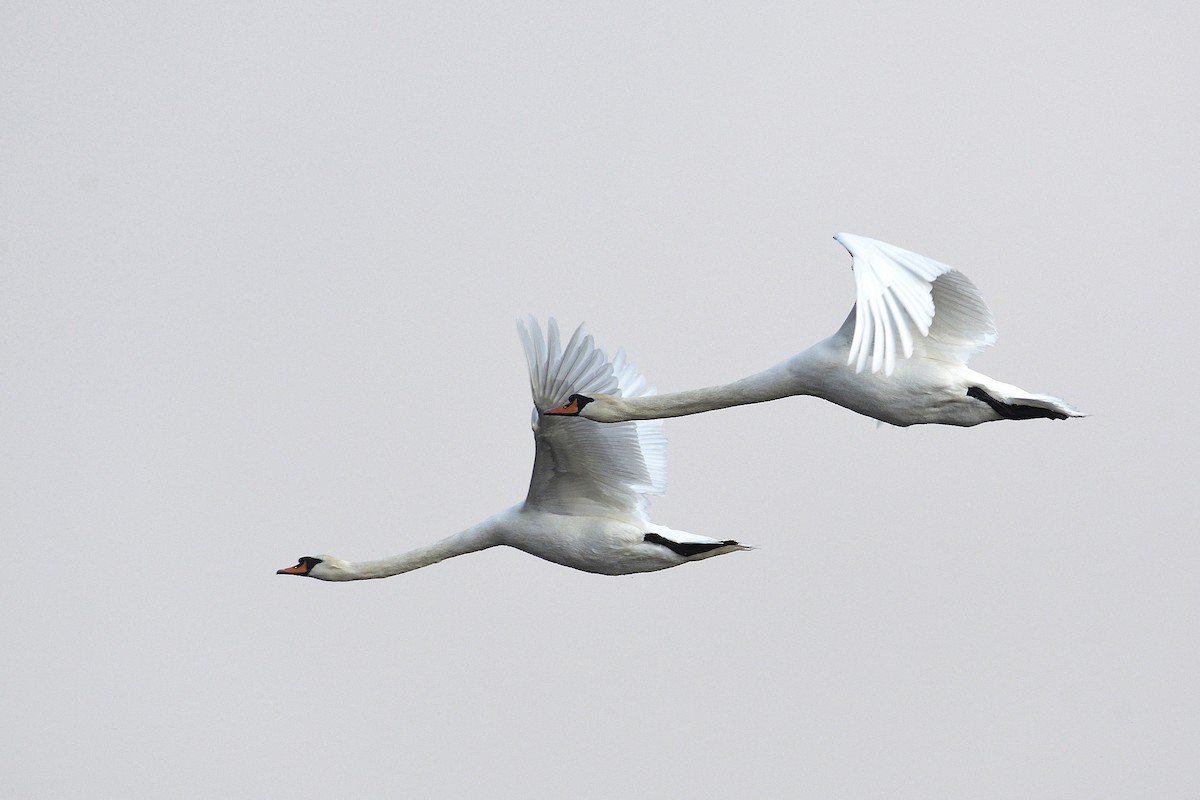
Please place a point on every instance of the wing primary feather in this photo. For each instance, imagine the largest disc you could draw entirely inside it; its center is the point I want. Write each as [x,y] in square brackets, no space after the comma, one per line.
[539,372]
[565,368]
[553,349]
[915,298]
[897,312]
[891,323]
[856,342]
[877,344]
[588,468]
[531,337]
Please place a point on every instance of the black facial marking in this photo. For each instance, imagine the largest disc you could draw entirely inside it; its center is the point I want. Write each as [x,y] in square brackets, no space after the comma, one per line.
[580,400]
[686,549]
[1013,410]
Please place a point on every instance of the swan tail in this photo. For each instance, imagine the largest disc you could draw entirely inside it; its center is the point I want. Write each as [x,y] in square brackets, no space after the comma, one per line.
[1019,405]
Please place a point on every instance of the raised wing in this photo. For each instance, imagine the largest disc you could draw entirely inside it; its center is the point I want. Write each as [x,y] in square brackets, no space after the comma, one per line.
[906,302]
[580,467]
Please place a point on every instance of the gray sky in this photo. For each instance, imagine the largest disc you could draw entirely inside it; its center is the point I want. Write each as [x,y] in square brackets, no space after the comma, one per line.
[259,271]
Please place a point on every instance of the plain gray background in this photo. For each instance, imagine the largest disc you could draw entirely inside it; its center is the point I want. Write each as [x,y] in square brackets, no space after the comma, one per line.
[261,264]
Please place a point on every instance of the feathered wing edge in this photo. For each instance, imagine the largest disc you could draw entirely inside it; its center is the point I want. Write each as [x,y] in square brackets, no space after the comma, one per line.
[578,462]
[555,373]
[907,301]
[652,439]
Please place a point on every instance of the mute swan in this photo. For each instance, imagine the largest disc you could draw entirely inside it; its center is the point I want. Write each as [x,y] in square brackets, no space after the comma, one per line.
[586,506]
[915,323]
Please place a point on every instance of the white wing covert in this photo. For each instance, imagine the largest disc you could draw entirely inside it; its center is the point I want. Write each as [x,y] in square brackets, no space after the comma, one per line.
[907,301]
[579,466]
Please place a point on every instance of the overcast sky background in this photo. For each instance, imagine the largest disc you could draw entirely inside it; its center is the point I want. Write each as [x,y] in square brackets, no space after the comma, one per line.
[260,265]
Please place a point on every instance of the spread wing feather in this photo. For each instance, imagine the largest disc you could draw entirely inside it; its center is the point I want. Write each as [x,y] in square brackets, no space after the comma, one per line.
[907,303]
[581,467]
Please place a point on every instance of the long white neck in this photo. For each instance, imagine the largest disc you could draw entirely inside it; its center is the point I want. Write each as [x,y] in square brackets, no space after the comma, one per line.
[770,384]
[477,537]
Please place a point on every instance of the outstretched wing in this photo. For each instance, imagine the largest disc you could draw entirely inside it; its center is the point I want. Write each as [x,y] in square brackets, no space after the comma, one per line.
[909,302]
[580,467]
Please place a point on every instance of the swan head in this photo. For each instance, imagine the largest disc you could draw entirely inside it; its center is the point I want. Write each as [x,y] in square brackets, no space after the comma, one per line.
[599,408]
[323,567]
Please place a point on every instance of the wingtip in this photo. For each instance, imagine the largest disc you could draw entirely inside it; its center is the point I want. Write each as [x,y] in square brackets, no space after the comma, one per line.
[531,320]
[528,324]
[848,240]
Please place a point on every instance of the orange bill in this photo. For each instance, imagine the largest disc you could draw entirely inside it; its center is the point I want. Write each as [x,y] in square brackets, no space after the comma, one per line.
[566,408]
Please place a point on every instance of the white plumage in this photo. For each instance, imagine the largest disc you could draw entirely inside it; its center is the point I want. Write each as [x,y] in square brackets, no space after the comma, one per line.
[898,292]
[900,356]
[586,506]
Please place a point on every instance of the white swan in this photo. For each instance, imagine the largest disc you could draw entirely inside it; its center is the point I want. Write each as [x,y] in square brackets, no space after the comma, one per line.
[586,506]
[915,323]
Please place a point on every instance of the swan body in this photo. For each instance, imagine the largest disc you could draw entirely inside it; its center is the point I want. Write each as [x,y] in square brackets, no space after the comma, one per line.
[586,506]
[900,356]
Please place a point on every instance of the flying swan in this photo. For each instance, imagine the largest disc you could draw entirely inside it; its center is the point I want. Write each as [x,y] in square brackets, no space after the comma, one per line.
[586,506]
[900,356]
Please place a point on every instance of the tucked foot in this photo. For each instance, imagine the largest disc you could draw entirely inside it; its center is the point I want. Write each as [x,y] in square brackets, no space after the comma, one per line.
[1014,410]
[687,549]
